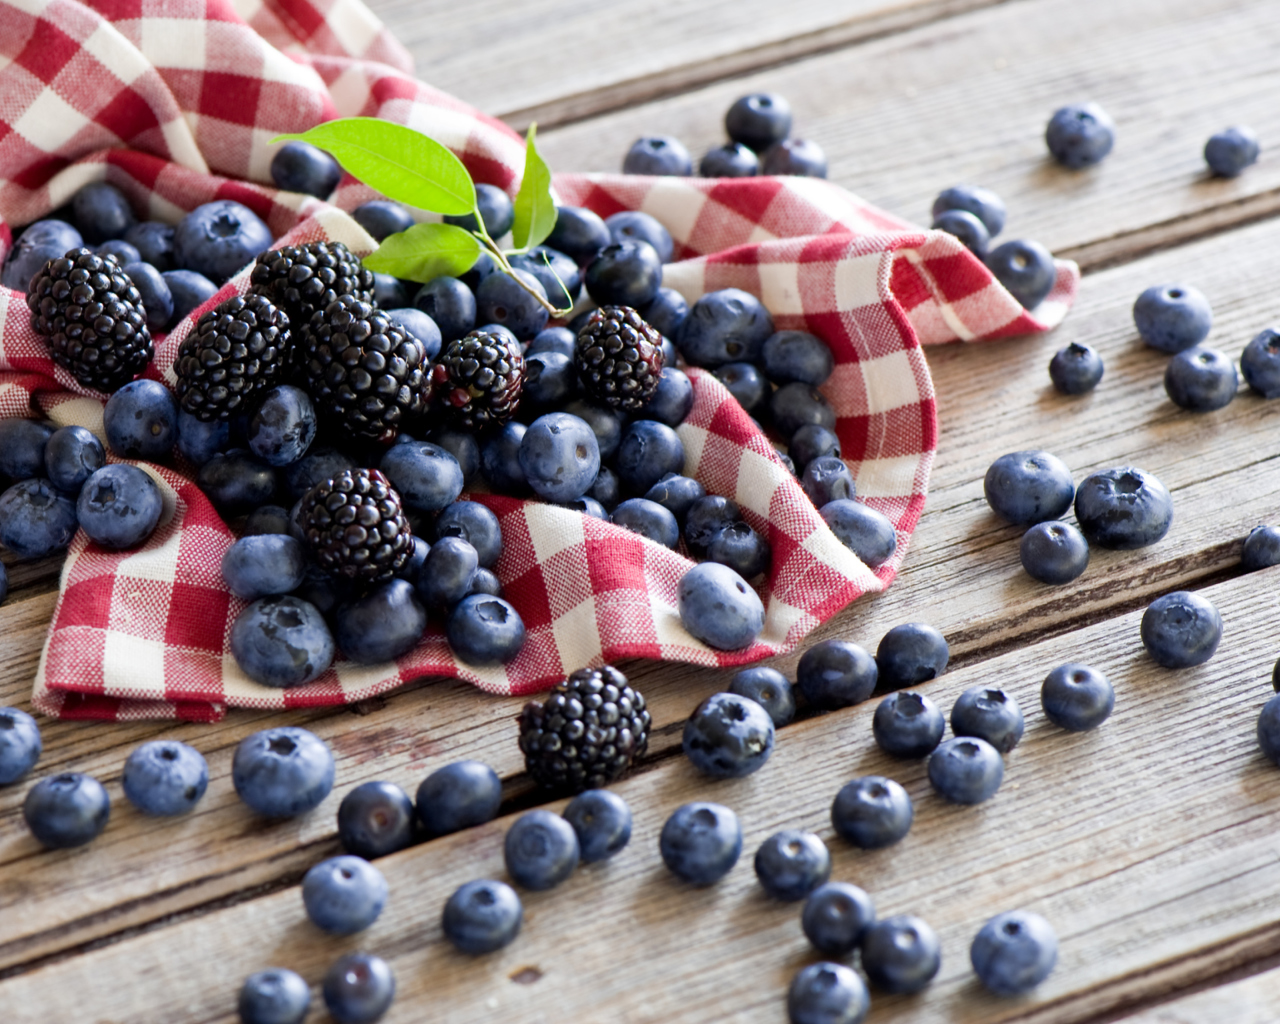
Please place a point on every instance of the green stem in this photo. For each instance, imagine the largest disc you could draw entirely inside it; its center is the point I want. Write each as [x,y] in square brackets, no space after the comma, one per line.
[492,248]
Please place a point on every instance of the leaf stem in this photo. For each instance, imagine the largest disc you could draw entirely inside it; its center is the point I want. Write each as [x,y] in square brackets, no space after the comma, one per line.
[491,246]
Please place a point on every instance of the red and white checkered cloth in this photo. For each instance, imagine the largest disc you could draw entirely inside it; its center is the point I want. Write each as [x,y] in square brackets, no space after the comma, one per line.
[175,102]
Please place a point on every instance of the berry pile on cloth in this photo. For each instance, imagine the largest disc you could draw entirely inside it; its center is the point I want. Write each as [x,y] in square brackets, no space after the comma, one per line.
[176,103]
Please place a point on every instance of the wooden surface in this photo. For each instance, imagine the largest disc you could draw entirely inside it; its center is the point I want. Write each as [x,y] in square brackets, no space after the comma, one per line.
[1149,844]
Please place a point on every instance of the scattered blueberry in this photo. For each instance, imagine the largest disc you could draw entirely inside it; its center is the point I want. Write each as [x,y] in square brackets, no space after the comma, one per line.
[967,228]
[268,563]
[500,460]
[836,916]
[579,233]
[458,796]
[1077,697]
[219,238]
[827,479]
[484,630]
[374,819]
[990,713]
[383,623]
[497,212]
[836,674]
[20,745]
[119,506]
[35,519]
[482,916]
[872,812]
[141,421]
[966,770]
[648,519]
[719,607]
[1080,135]
[790,864]
[474,523]
[71,456]
[188,290]
[624,274]
[827,993]
[157,299]
[701,842]
[1200,379]
[907,725]
[1269,727]
[1123,508]
[658,154]
[1261,549]
[638,226]
[724,326]
[165,777]
[1025,269]
[602,821]
[450,304]
[281,641]
[728,736]
[864,531]
[1229,152]
[1181,629]
[1076,369]
[282,772]
[1028,487]
[901,954]
[1013,952]
[1172,317]
[344,895]
[154,242]
[358,988]
[101,212]
[770,689]
[732,160]
[274,996]
[426,476]
[758,120]
[981,202]
[910,654]
[66,810]
[1260,363]
[381,217]
[648,451]
[1054,552]
[540,850]
[794,156]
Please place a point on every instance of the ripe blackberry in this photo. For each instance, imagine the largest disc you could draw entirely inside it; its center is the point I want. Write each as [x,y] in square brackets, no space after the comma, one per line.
[355,527]
[586,733]
[92,315]
[619,357]
[301,279]
[478,379]
[363,369]
[239,349]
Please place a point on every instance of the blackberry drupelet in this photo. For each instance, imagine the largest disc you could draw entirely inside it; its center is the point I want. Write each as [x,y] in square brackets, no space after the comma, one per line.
[301,279]
[92,315]
[355,527]
[478,380]
[619,358]
[586,733]
[239,349]
[363,369]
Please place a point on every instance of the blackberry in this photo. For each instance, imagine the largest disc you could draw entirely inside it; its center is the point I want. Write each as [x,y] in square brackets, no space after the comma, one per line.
[586,733]
[355,527]
[93,317]
[478,379]
[239,349]
[301,279]
[363,369]
[619,358]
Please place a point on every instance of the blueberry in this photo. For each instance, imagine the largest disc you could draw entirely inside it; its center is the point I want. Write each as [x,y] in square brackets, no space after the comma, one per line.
[450,304]
[157,300]
[1076,369]
[164,777]
[746,384]
[836,674]
[419,325]
[1123,508]
[1181,629]
[607,424]
[560,456]
[382,624]
[966,227]
[989,713]
[758,120]
[283,427]
[120,249]
[910,654]
[724,326]
[728,736]
[666,312]
[35,519]
[512,301]
[200,441]
[981,202]
[742,549]
[637,226]
[301,167]
[427,477]
[71,456]
[812,442]
[701,842]
[474,523]
[901,954]
[827,993]
[189,290]
[1054,552]
[705,518]
[274,996]
[1261,549]
[262,564]
[649,519]
[864,531]
[282,772]
[1172,317]
[1200,379]
[796,356]
[559,340]
[484,630]
[540,850]
[1028,487]
[672,400]
[624,274]
[550,379]
[390,293]
[732,160]
[154,242]
[20,745]
[907,725]
[358,988]
[658,154]
[677,494]
[790,864]
[1025,269]
[1269,728]
[446,574]
[579,233]
[796,405]
[1013,952]
[1080,135]
[1260,363]
[482,268]
[1229,152]
[374,819]
[324,593]
[66,810]
[4,583]
[458,796]
[602,821]
[141,421]
[23,447]
[119,506]
[560,276]
[836,916]
[872,812]
[718,607]
[770,689]
[588,507]
[801,157]
[500,460]
[101,212]
[482,916]
[966,770]
[1077,697]
[219,238]
[382,217]
[648,451]
[344,895]
[25,261]
[826,479]
[497,212]
[281,641]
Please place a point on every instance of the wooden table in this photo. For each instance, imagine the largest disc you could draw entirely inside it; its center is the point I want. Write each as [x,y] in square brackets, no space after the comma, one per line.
[1151,844]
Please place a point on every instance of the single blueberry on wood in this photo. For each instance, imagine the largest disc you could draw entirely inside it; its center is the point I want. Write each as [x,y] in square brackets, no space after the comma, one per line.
[458,796]
[1013,952]
[1123,508]
[701,842]
[282,772]
[911,653]
[358,988]
[540,850]
[907,725]
[1080,135]
[374,819]
[344,895]
[1260,363]
[790,864]
[728,736]
[165,777]
[1076,697]
[20,744]
[836,916]
[274,996]
[1261,549]
[836,674]
[66,810]
[1181,629]
[1028,487]
[770,689]
[602,821]
[989,713]
[732,160]
[482,916]
[1054,552]
[1076,369]
[1172,317]
[966,770]
[872,812]
[1200,379]
[758,120]
[827,993]
[1229,152]
[1269,726]
[901,954]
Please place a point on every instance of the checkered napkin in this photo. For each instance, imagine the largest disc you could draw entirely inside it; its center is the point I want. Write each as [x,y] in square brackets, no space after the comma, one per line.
[175,102]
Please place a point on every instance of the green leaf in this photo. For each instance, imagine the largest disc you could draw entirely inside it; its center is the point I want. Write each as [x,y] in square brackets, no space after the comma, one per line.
[399,162]
[535,209]
[425,252]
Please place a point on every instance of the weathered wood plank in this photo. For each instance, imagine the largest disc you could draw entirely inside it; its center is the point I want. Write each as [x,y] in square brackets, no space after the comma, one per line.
[1248,1001]
[1149,844]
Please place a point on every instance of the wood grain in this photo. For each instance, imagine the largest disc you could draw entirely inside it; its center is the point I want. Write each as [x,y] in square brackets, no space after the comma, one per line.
[1249,1001]
[1148,843]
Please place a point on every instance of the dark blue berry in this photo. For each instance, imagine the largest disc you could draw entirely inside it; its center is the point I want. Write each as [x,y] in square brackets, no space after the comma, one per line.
[35,519]
[728,736]
[540,850]
[262,564]
[666,312]
[317,466]
[482,916]
[606,489]
[1269,727]
[1028,487]
[502,299]
[426,477]
[864,531]
[1261,549]
[701,842]
[344,895]
[1200,379]
[801,157]
[624,274]
[283,427]
[559,340]
[154,242]
[747,384]
[588,507]
[758,120]
[462,445]
[1123,508]
[724,326]
[872,812]
[719,607]
[836,916]
[796,356]
[482,268]
[1172,317]
[579,233]
[1181,629]
[200,441]
[770,689]
[1076,369]
[989,713]
[141,421]
[71,456]
[791,864]
[219,238]
[1077,697]
[607,424]
[966,227]
[274,996]
[374,819]
[827,993]
[20,745]
[637,226]
[966,770]
[119,506]
[1025,269]
[649,519]
[381,217]
[497,212]
[706,517]
[1080,135]
[165,777]
[1229,152]
[672,400]
[281,641]
[446,574]
[157,300]
[420,326]
[450,304]
[358,988]
[648,451]
[101,212]
[602,821]
[742,549]
[901,954]
[732,160]
[42,241]
[836,674]
[500,461]
[796,405]
[677,494]
[827,479]
[188,290]
[908,725]
[560,456]
[981,202]
[560,276]
[390,293]
[301,167]
[484,630]
[66,810]
[383,624]
[812,442]
[282,772]
[474,523]
[23,445]
[1013,952]
[658,154]
[910,654]
[1260,363]
[458,796]
[1054,552]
